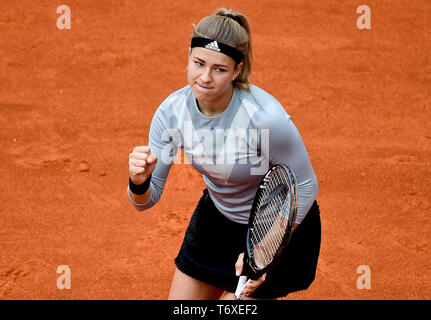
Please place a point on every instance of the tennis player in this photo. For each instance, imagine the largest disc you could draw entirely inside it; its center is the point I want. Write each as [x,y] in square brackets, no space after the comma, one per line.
[231,132]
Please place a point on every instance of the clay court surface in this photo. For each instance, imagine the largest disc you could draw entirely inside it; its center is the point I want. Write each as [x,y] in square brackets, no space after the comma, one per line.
[74,103]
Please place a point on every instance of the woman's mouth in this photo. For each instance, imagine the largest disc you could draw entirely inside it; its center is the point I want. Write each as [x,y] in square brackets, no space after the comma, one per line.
[204,87]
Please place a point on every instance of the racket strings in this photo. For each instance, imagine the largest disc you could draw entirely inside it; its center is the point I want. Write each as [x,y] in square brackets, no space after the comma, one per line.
[267,238]
[271,221]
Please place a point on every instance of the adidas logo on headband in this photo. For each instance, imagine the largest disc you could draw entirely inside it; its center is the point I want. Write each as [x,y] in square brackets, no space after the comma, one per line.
[213,46]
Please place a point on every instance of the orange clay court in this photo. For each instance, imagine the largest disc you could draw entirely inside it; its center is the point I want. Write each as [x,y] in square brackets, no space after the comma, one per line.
[74,103]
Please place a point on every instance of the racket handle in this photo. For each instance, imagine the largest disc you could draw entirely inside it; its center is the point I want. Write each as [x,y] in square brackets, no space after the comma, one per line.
[242,282]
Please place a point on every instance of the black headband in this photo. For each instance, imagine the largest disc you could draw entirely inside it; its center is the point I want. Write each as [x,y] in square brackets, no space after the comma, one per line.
[218,47]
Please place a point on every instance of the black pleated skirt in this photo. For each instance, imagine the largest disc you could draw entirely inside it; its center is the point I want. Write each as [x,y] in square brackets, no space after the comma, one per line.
[212,244]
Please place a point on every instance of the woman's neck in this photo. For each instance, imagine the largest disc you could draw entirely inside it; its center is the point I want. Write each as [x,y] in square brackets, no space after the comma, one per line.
[215,107]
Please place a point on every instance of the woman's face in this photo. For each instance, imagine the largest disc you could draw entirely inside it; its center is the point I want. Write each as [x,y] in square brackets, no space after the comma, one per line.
[210,74]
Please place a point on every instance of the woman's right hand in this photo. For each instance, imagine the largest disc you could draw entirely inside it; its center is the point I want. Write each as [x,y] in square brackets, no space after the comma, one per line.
[141,164]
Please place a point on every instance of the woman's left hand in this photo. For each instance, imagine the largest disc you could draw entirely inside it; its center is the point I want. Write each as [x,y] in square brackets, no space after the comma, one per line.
[252,285]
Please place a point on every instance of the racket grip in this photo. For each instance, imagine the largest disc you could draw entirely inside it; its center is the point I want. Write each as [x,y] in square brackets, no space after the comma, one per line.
[241,285]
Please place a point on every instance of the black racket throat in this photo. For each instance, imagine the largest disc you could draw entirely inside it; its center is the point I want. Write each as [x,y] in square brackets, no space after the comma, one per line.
[248,271]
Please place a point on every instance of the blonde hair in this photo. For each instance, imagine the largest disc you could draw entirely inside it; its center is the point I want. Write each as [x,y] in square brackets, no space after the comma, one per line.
[233,32]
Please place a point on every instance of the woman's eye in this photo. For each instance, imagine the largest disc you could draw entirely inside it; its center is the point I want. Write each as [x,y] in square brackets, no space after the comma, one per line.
[200,64]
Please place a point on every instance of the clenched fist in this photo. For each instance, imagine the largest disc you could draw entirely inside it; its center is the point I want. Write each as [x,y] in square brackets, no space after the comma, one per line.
[141,164]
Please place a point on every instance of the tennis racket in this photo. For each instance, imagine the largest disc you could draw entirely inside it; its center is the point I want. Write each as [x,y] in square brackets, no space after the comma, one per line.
[270,225]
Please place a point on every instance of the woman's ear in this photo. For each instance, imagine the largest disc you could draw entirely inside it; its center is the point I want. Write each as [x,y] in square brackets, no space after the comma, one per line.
[238,70]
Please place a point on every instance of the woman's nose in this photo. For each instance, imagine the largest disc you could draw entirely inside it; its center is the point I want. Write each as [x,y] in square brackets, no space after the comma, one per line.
[206,75]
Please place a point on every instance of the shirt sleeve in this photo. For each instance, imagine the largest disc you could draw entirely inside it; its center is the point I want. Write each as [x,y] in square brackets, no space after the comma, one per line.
[286,146]
[163,143]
